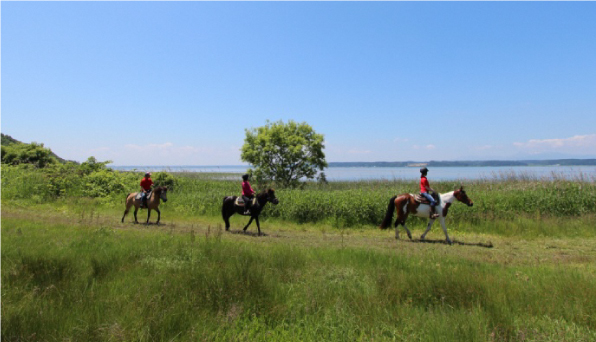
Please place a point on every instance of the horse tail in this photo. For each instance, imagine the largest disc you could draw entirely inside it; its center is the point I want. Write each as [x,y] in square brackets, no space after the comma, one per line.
[126,198]
[389,215]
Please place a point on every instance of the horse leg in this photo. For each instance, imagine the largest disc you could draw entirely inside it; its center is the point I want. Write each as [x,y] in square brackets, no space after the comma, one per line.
[136,210]
[148,215]
[442,220]
[249,222]
[407,230]
[226,219]
[430,224]
[123,216]
[258,225]
[402,215]
[158,215]
[128,205]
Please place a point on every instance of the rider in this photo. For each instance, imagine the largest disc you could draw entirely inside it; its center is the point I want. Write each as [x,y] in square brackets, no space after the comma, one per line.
[146,184]
[247,194]
[424,191]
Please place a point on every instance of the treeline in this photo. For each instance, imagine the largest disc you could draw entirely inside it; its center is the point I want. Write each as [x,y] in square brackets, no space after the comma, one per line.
[470,163]
[32,171]
[16,152]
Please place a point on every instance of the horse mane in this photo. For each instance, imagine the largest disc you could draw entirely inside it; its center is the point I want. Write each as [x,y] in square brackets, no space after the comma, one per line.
[159,189]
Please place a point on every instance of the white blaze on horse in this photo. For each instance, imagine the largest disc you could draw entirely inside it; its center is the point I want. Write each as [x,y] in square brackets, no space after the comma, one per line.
[159,193]
[407,204]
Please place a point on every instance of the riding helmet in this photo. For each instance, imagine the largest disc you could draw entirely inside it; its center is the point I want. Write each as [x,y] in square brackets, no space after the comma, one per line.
[147,174]
[423,170]
[245,176]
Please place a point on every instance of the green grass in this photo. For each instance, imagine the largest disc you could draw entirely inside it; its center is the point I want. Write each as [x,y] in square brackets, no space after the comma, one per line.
[71,271]
[96,280]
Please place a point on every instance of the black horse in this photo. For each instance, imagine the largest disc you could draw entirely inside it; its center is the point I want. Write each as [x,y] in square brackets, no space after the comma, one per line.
[230,208]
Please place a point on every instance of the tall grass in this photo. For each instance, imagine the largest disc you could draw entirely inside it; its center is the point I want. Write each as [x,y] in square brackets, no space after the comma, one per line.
[540,204]
[92,283]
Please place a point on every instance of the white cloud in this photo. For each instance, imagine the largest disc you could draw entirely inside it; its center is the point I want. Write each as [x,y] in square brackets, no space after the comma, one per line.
[427,147]
[579,144]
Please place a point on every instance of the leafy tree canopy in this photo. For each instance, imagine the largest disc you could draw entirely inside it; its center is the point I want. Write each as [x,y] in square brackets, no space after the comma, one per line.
[284,152]
[33,153]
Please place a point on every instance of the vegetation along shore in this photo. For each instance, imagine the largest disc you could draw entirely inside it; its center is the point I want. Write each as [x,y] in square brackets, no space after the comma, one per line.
[522,268]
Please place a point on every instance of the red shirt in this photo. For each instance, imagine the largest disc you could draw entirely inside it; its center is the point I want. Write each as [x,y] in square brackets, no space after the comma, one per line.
[247,189]
[424,184]
[146,183]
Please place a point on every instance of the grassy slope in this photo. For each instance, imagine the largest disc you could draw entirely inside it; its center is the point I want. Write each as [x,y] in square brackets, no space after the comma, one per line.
[72,272]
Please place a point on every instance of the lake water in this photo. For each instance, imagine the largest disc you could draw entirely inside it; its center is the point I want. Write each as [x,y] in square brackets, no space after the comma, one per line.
[585,173]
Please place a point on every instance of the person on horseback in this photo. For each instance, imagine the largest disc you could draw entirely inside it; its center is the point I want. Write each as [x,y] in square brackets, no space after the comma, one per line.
[425,190]
[247,194]
[146,185]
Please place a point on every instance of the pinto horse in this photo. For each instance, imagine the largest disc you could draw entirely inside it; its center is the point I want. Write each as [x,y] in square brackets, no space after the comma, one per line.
[406,204]
[159,193]
[230,208]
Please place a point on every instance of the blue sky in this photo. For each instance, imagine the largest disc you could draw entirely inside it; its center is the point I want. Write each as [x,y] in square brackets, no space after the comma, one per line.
[177,83]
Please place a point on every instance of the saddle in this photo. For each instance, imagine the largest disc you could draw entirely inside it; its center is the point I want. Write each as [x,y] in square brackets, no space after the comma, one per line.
[240,201]
[139,196]
[422,200]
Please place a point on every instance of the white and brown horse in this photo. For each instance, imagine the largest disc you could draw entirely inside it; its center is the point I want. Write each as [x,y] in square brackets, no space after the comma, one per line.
[407,204]
[159,193]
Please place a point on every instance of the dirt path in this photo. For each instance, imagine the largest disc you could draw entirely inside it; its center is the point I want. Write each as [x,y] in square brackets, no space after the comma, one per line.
[570,252]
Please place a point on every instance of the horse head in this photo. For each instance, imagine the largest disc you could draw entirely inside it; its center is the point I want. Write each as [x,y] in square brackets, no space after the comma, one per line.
[162,191]
[270,193]
[460,195]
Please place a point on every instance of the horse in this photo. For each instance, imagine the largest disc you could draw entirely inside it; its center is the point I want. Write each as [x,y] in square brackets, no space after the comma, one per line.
[407,204]
[229,208]
[159,193]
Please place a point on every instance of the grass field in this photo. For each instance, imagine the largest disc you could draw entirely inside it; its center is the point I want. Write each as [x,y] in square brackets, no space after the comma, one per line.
[71,271]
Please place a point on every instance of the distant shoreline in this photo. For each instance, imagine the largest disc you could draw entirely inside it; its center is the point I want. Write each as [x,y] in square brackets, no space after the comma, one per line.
[471,163]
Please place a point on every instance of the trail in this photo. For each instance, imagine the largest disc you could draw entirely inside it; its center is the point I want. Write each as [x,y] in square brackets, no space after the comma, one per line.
[575,252]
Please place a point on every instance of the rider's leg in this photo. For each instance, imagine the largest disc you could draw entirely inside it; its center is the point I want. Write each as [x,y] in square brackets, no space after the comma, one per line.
[433,203]
[247,204]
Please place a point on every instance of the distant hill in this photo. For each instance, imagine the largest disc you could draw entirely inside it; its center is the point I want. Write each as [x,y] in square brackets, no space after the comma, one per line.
[432,163]
[7,140]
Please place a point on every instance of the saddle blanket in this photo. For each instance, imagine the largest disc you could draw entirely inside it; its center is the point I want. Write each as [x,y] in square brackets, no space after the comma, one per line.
[422,200]
[240,201]
[138,196]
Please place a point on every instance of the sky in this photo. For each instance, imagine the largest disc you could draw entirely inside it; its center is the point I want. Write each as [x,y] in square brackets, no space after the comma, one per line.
[178,83]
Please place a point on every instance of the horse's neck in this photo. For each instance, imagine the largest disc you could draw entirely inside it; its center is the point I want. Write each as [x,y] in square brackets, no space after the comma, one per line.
[447,197]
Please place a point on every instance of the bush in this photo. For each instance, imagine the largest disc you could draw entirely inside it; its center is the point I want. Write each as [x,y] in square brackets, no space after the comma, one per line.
[33,153]
[103,183]
[164,179]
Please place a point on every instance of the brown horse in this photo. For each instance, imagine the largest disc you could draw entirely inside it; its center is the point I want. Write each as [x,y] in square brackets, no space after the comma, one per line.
[407,204]
[152,202]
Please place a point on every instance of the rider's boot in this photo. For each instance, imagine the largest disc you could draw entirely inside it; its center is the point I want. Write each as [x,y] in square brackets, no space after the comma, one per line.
[433,212]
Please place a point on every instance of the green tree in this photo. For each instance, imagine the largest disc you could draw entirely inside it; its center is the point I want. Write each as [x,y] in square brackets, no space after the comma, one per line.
[33,153]
[284,152]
